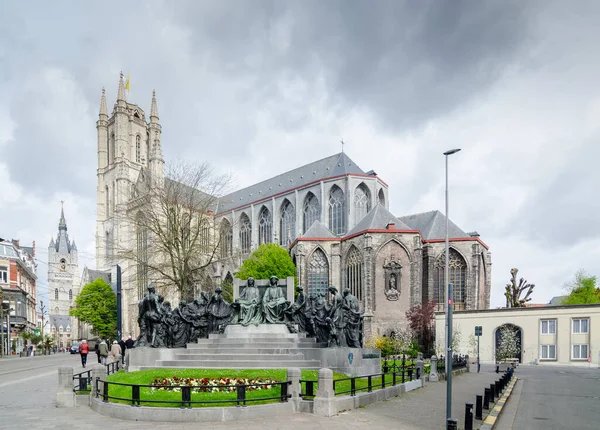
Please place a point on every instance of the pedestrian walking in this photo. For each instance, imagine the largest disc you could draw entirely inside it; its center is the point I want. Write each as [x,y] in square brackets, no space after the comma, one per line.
[84,349]
[103,350]
[97,350]
[115,352]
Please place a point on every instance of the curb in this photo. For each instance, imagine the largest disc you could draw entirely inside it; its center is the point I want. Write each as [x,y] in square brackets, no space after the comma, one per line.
[490,421]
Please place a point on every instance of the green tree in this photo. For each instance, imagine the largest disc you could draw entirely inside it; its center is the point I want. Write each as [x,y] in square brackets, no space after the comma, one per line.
[268,260]
[96,305]
[583,290]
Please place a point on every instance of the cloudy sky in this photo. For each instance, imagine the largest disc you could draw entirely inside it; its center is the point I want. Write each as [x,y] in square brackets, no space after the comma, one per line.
[260,87]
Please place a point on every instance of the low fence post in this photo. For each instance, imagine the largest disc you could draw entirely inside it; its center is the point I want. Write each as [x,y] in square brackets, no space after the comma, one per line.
[451,424]
[293,375]
[324,404]
[486,399]
[98,371]
[468,416]
[65,396]
[433,375]
[492,393]
[420,366]
[468,363]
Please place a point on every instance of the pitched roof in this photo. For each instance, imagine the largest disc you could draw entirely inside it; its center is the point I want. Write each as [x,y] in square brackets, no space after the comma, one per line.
[377,219]
[557,300]
[334,165]
[91,275]
[432,225]
[318,230]
[60,320]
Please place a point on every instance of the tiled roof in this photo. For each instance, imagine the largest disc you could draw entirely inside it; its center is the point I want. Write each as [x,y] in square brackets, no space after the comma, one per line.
[335,165]
[377,219]
[432,225]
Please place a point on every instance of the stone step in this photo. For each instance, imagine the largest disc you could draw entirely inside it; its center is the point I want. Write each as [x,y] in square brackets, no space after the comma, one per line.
[258,335]
[275,345]
[257,340]
[238,357]
[237,364]
[248,350]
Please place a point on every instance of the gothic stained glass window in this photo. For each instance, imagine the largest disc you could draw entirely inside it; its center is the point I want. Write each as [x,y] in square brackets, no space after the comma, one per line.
[312,210]
[354,273]
[265,226]
[318,273]
[337,209]
[138,149]
[457,277]
[245,233]
[287,223]
[362,202]
[226,237]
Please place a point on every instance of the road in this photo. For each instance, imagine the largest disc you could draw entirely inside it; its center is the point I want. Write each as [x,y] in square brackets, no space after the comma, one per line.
[553,397]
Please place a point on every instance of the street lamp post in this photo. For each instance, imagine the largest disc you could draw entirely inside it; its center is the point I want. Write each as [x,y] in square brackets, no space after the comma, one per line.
[449,297]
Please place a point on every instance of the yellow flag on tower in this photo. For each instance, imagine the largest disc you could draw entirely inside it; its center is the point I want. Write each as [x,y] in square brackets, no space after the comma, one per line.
[127,83]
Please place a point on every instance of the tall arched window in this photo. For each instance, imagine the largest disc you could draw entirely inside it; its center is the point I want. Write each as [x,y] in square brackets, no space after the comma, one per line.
[265,226]
[381,197]
[142,255]
[312,210]
[457,276]
[186,229]
[138,149]
[147,149]
[226,238]
[107,203]
[56,294]
[70,295]
[354,273]
[245,233]
[111,149]
[318,273]
[362,202]
[337,211]
[287,223]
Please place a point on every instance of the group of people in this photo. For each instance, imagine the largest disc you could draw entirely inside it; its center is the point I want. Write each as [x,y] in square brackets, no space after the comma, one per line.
[106,354]
[335,321]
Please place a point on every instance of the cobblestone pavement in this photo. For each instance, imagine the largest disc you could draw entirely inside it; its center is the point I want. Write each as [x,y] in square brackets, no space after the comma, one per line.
[29,402]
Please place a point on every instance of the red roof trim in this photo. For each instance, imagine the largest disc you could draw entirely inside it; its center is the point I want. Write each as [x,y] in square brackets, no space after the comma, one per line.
[458,239]
[264,199]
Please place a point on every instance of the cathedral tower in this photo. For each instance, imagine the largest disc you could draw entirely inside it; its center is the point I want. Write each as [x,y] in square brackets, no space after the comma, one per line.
[63,283]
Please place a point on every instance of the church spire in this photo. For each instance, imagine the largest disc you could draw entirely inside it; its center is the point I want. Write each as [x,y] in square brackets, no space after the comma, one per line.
[62,223]
[121,92]
[62,244]
[153,108]
[103,110]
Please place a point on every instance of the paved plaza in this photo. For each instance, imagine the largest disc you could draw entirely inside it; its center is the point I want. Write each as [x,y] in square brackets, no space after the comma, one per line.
[28,390]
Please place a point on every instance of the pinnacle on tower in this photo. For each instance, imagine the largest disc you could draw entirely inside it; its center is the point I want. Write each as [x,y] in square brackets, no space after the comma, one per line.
[103,110]
[62,224]
[121,92]
[153,108]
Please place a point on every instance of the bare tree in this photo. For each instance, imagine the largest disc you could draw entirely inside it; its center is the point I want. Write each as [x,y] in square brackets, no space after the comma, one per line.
[513,291]
[175,236]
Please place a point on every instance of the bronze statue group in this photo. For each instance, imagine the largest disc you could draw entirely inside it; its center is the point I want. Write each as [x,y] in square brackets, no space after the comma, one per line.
[335,320]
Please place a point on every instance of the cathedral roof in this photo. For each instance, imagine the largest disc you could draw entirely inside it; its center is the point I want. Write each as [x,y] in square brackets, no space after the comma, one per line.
[318,230]
[432,225]
[378,218]
[60,320]
[335,165]
[90,275]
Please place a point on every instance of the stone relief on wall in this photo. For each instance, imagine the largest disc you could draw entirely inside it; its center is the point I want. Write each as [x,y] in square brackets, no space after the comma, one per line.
[393,273]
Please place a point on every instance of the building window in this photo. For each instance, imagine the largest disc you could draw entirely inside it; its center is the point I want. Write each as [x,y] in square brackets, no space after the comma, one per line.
[138,149]
[70,295]
[580,326]
[265,226]
[287,223]
[226,238]
[186,232]
[142,256]
[4,274]
[580,352]
[381,197]
[245,233]
[318,273]
[548,326]
[362,202]
[107,202]
[337,211]
[354,275]
[312,210]
[548,352]
[111,149]
[457,277]
[56,294]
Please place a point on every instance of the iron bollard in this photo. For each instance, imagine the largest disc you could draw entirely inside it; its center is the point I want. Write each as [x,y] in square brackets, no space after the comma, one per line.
[497,389]
[468,416]
[451,424]
[497,368]
[486,398]
[492,393]
[479,407]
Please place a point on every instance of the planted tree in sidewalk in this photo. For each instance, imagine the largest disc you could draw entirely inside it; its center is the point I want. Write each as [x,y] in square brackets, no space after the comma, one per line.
[96,305]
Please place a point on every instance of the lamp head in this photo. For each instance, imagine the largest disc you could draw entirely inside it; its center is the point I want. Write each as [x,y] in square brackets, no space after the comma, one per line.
[452,151]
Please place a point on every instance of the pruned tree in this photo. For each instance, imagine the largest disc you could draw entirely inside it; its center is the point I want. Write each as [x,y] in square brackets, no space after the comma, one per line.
[421,321]
[508,345]
[175,236]
[514,290]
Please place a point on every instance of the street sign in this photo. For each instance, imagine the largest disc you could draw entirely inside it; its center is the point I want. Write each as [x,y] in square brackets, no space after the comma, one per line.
[478,330]
[36,331]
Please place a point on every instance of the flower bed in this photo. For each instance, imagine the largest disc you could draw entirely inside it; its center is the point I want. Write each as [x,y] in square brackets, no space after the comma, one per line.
[208,385]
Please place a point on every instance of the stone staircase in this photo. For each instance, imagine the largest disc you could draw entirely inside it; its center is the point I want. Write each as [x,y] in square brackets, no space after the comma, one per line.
[267,346]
